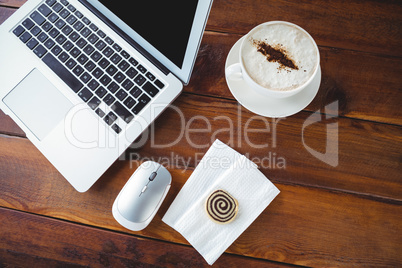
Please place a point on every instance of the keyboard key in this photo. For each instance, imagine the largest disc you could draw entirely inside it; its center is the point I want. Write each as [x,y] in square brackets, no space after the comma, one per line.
[110,118]
[19,30]
[78,25]
[78,70]
[105,80]
[150,89]
[71,19]
[108,52]
[32,43]
[97,72]
[109,99]
[129,102]
[49,43]
[50,2]
[61,39]
[75,52]
[93,38]
[123,65]
[125,54]
[150,76]
[136,92]
[131,72]
[121,94]
[40,51]
[57,7]
[142,102]
[104,63]
[94,103]
[35,30]
[116,128]
[46,26]
[100,112]
[60,24]
[89,49]
[90,66]
[85,94]
[116,58]
[53,17]
[139,79]
[81,43]
[159,84]
[111,70]
[63,56]
[127,84]
[101,91]
[45,10]
[62,72]
[93,84]
[142,69]
[54,32]
[64,13]
[38,18]
[119,77]
[27,23]
[85,32]
[56,50]
[82,59]
[122,112]
[85,77]
[70,64]
[25,37]
[113,87]
[42,37]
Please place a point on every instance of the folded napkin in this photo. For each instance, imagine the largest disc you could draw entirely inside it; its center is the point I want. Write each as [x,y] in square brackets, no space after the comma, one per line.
[221,168]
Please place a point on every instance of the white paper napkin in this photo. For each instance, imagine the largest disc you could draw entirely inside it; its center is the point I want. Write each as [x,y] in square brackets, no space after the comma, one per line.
[221,168]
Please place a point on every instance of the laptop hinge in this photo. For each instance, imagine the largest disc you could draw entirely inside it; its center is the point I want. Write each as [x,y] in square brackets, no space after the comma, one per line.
[127,38]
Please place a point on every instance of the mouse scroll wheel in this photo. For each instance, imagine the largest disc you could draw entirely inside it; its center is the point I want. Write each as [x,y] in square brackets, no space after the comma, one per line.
[152,177]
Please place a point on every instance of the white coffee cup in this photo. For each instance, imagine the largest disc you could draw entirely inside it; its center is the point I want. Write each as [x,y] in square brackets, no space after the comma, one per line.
[239,71]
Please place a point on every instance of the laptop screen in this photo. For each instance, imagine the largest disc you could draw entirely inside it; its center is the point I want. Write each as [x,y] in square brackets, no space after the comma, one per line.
[170,31]
[164,24]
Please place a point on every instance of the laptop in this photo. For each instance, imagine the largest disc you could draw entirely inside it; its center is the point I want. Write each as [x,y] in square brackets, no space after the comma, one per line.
[84,78]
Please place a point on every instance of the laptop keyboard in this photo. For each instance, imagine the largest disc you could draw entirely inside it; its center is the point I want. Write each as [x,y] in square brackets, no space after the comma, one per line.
[92,64]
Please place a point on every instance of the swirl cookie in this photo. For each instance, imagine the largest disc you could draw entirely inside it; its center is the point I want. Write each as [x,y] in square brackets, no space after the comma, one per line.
[221,207]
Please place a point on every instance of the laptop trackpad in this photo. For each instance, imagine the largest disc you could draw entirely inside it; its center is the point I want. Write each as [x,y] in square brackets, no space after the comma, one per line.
[38,103]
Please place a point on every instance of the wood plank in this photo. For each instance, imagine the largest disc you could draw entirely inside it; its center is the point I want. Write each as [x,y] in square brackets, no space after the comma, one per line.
[303,225]
[5,12]
[368,153]
[377,81]
[12,3]
[370,26]
[45,242]
[367,86]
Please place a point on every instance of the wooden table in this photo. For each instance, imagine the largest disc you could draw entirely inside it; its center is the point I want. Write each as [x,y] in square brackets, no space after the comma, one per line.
[338,214]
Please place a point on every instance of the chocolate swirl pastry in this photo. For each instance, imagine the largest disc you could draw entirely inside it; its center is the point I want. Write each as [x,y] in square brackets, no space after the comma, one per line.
[221,207]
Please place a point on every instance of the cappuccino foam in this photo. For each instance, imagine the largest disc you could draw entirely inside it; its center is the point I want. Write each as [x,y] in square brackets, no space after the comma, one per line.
[279,56]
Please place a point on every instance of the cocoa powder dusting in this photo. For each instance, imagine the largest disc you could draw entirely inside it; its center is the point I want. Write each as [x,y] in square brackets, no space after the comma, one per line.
[275,54]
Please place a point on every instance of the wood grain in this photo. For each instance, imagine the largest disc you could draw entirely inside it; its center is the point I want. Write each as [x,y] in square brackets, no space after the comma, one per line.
[350,77]
[368,152]
[303,225]
[371,26]
[354,79]
[45,242]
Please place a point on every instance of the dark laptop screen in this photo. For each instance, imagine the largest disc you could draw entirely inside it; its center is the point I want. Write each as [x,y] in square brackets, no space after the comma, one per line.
[164,24]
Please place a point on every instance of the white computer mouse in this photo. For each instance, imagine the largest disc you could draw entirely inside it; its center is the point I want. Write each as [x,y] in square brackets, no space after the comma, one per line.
[141,197]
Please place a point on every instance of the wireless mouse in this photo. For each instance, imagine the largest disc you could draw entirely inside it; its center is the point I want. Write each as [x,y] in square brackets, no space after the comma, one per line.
[141,197]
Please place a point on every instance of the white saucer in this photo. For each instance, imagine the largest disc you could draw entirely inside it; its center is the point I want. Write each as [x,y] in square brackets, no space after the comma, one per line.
[264,105]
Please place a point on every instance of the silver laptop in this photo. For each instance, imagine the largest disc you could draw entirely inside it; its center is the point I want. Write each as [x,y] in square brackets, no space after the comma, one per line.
[84,78]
